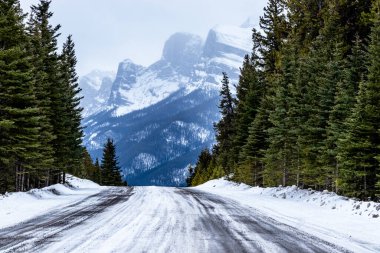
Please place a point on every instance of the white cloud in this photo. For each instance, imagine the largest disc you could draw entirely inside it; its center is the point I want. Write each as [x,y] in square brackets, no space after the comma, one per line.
[106,32]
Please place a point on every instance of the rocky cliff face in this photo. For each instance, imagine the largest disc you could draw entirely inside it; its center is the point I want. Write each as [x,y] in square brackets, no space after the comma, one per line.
[96,88]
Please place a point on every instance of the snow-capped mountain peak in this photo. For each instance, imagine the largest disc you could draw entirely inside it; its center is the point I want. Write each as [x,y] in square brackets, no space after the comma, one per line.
[182,49]
[224,39]
[94,78]
[96,87]
[171,104]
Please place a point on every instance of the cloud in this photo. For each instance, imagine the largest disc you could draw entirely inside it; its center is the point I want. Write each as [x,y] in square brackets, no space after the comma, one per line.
[106,32]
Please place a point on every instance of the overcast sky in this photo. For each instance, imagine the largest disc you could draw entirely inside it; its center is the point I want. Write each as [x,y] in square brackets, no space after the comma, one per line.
[108,31]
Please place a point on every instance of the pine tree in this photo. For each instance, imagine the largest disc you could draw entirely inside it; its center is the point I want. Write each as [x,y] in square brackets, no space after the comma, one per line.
[71,135]
[98,175]
[19,111]
[89,170]
[347,89]
[248,96]
[275,28]
[360,150]
[202,170]
[110,165]
[280,159]
[267,52]
[43,47]
[191,175]
[306,19]
[252,166]
[224,128]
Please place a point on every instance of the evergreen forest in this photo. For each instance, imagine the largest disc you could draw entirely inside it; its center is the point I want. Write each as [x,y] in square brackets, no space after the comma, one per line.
[307,104]
[40,116]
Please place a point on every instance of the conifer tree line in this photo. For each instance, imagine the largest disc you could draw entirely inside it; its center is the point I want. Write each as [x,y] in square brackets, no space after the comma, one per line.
[307,104]
[40,116]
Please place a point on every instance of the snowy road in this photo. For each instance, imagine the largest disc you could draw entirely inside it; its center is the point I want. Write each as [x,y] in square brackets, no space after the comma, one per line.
[157,219]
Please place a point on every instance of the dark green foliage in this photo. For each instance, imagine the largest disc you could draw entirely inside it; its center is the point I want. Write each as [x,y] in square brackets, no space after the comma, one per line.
[43,48]
[40,131]
[70,135]
[282,140]
[224,128]
[19,110]
[308,100]
[98,174]
[110,165]
[205,169]
[90,170]
[248,96]
[251,166]
[360,149]
[190,178]
[201,170]
[275,28]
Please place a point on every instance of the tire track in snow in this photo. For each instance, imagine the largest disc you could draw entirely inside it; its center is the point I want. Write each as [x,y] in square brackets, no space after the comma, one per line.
[37,233]
[247,230]
[157,219]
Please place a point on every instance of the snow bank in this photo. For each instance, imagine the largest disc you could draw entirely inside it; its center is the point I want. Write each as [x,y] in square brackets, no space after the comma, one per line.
[80,183]
[325,199]
[340,220]
[20,206]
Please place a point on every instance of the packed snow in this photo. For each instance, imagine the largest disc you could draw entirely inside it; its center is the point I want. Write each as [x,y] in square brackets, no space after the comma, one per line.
[17,207]
[218,216]
[343,221]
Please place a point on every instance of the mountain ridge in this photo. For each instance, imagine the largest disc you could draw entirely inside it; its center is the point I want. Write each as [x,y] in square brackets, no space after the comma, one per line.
[162,116]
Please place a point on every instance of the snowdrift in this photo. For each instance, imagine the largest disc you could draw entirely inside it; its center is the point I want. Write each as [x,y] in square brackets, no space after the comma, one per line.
[16,207]
[325,199]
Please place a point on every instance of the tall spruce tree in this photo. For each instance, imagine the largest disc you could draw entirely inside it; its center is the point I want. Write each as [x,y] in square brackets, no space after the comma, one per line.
[43,47]
[19,110]
[360,150]
[354,73]
[275,28]
[71,141]
[249,93]
[281,154]
[252,166]
[225,128]
[110,165]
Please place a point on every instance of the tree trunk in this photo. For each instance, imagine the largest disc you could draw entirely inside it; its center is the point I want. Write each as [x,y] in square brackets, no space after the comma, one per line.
[47,178]
[22,178]
[28,181]
[298,167]
[336,176]
[16,178]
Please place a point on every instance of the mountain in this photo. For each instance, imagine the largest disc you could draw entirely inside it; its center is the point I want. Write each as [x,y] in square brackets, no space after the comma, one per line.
[162,116]
[96,88]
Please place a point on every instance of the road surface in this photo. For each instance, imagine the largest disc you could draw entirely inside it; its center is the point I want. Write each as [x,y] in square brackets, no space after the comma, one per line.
[157,219]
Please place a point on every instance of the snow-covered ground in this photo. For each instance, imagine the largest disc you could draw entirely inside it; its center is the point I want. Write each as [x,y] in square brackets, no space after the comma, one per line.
[18,207]
[218,216]
[340,220]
